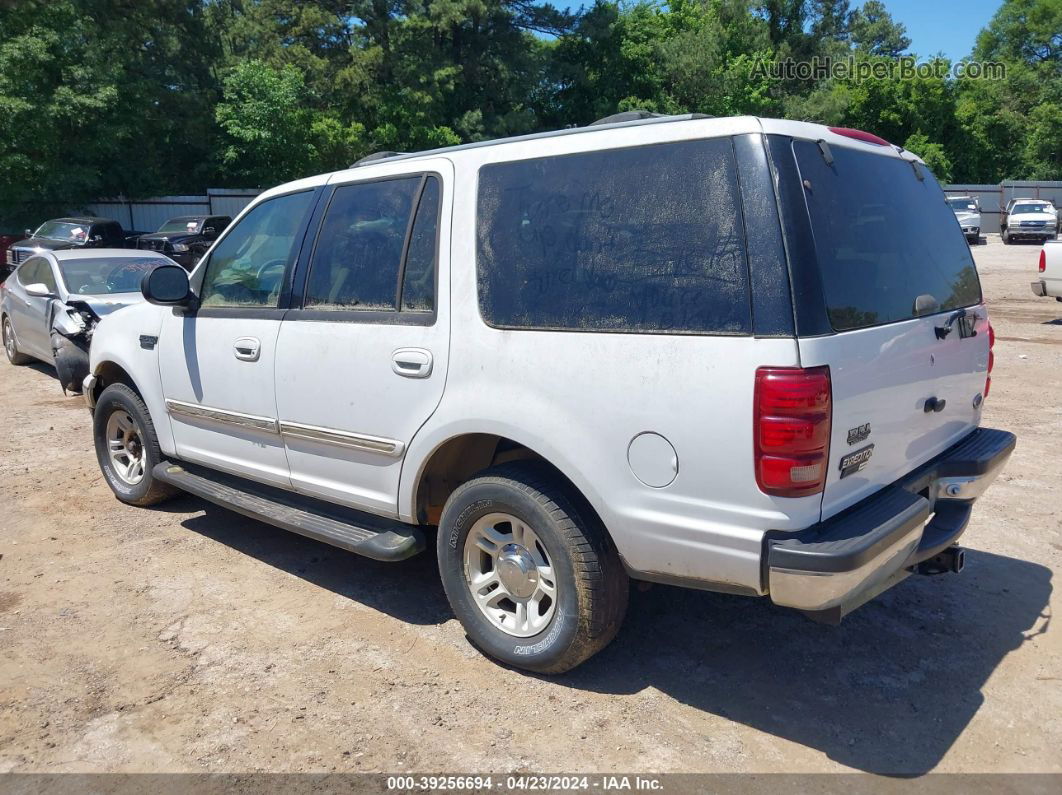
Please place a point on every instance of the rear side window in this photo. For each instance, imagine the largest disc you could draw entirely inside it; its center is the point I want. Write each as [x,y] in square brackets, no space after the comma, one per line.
[367,247]
[886,241]
[647,239]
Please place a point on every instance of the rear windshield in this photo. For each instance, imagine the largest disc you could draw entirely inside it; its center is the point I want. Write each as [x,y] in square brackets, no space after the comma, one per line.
[648,239]
[888,246]
[962,205]
[104,276]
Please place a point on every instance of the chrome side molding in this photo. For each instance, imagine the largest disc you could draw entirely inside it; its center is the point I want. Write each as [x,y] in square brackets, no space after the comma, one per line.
[180,408]
[296,430]
[356,441]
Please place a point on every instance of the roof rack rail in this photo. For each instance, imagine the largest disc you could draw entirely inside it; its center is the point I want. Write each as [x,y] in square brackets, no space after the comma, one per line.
[627,115]
[642,115]
[374,157]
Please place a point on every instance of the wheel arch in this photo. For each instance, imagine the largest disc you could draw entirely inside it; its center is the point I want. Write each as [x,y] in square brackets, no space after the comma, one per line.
[457,457]
[112,369]
[109,372]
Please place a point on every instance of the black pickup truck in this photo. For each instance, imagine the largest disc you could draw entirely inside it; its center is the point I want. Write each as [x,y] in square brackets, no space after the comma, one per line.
[60,233]
[186,238]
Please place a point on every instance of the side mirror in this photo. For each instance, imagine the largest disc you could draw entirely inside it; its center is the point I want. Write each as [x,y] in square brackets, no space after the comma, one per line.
[97,238]
[209,231]
[38,289]
[167,285]
[28,232]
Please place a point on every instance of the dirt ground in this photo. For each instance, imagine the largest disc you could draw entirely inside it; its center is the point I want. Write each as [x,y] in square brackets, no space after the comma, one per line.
[187,638]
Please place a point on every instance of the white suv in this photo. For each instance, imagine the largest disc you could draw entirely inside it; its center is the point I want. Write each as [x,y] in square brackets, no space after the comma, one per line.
[685,350]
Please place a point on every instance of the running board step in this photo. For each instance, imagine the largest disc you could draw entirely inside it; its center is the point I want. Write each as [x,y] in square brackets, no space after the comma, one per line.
[354,531]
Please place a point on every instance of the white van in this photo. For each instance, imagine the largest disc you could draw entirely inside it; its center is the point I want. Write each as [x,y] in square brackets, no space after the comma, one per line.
[685,350]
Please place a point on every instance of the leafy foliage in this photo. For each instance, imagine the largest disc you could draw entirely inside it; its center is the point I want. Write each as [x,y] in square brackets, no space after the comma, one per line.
[119,97]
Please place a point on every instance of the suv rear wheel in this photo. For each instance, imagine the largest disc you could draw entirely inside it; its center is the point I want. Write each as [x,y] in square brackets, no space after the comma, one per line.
[530,573]
[11,347]
[127,448]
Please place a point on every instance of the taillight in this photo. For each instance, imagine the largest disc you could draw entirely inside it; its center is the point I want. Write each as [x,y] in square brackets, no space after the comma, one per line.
[1043,260]
[859,135]
[791,426]
[991,358]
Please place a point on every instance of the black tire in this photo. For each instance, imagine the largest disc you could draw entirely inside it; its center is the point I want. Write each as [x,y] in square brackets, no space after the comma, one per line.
[71,363]
[13,355]
[592,583]
[148,491]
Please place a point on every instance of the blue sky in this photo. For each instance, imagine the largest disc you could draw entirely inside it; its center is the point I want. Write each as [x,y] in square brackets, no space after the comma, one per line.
[948,26]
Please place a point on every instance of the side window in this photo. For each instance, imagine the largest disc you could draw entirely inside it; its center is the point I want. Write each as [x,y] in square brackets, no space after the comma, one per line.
[418,283]
[247,267]
[47,276]
[29,272]
[360,245]
[646,239]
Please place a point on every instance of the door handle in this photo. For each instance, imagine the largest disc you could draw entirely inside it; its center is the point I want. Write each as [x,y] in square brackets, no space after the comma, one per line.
[412,362]
[247,349]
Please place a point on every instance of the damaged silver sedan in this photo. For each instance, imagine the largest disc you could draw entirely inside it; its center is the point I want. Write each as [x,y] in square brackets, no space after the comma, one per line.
[50,305]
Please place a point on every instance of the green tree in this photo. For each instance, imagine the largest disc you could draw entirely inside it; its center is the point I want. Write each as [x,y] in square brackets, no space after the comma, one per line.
[874,31]
[102,97]
[266,123]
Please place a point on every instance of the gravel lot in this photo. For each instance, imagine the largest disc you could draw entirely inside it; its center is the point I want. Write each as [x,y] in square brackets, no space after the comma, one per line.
[187,638]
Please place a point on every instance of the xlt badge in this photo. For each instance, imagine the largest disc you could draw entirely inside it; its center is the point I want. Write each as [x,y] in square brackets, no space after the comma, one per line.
[857,435]
[853,462]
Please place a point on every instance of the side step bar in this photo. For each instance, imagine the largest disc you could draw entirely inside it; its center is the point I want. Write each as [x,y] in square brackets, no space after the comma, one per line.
[354,531]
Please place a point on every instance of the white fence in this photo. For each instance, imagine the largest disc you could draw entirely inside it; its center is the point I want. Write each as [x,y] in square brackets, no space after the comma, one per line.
[147,215]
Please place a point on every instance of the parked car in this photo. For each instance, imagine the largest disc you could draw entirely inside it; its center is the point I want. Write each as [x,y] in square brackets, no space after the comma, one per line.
[679,349]
[1029,219]
[5,268]
[50,306]
[186,238]
[73,233]
[1049,282]
[967,211]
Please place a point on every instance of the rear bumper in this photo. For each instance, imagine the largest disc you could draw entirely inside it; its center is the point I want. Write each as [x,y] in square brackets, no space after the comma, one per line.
[837,565]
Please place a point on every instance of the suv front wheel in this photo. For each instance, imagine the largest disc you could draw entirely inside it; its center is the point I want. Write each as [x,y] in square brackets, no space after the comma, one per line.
[127,448]
[529,571]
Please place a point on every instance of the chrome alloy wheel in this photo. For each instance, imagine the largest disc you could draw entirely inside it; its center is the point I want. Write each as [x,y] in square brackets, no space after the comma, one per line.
[125,448]
[510,575]
[9,339]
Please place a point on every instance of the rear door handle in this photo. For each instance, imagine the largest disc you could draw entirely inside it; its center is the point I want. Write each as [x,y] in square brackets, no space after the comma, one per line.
[412,362]
[247,349]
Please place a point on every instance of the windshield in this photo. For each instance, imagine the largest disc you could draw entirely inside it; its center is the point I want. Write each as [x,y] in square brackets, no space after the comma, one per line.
[105,276]
[63,230]
[184,225]
[885,241]
[962,205]
[1030,208]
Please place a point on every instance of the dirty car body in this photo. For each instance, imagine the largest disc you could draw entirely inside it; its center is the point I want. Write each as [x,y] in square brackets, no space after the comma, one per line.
[53,301]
